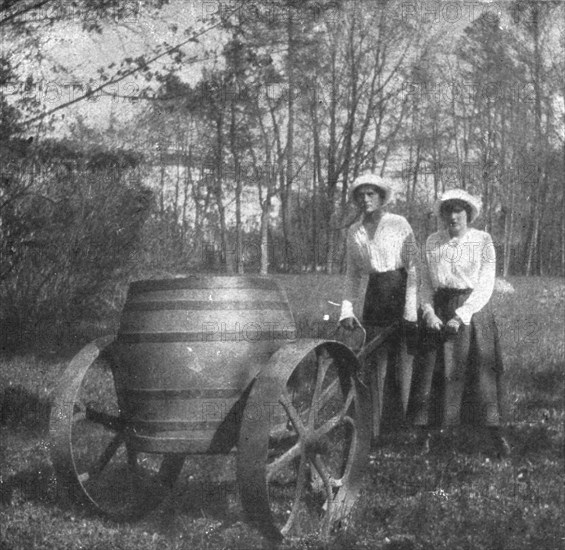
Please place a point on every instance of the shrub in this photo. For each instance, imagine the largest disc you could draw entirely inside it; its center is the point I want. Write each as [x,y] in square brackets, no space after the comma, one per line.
[70,224]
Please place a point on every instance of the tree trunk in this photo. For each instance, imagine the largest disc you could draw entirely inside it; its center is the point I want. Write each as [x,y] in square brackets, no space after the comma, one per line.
[286,184]
[540,164]
[238,189]
[188,184]
[264,269]
[332,175]
[509,230]
[562,245]
[316,180]
[218,193]
[162,172]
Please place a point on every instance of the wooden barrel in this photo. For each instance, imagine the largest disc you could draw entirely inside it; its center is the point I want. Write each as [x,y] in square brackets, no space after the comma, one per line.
[187,351]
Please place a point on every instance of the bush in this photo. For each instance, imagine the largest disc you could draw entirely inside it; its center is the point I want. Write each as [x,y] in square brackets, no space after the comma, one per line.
[70,224]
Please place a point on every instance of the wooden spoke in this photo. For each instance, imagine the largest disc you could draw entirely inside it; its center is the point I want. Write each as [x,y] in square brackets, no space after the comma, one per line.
[323,361]
[329,480]
[293,415]
[283,460]
[336,420]
[106,456]
[329,392]
[111,422]
[300,485]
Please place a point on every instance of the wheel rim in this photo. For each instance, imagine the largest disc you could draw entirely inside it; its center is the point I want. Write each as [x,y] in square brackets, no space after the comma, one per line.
[316,447]
[92,455]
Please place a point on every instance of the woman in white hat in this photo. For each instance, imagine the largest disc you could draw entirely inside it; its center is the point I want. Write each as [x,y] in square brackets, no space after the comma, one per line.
[382,245]
[460,361]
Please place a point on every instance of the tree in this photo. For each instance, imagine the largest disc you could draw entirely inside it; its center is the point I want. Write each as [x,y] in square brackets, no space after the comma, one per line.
[534,18]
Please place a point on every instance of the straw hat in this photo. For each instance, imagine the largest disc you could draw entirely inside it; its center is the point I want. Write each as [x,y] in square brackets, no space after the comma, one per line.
[473,203]
[381,184]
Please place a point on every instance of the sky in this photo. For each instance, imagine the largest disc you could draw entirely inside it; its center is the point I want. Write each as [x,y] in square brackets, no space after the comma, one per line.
[81,54]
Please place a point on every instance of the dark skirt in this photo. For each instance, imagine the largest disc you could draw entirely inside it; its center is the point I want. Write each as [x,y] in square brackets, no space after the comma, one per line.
[458,377]
[385,298]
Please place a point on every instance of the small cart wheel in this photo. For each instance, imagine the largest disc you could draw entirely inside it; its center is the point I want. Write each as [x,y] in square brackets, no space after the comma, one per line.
[304,441]
[91,455]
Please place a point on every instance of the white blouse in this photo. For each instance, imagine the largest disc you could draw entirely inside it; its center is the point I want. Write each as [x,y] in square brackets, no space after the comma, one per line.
[393,246]
[465,262]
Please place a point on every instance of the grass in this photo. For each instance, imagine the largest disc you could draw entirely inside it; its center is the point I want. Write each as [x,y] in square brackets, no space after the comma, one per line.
[455,498]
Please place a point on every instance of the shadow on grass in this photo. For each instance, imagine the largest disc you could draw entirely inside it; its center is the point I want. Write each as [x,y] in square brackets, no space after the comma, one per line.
[36,483]
[21,408]
[211,499]
[548,381]
[527,440]
[531,440]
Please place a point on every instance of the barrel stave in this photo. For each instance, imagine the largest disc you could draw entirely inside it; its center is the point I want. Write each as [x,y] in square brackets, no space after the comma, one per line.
[188,349]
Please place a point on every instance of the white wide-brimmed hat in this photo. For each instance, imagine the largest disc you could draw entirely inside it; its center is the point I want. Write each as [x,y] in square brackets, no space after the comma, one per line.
[460,195]
[382,184]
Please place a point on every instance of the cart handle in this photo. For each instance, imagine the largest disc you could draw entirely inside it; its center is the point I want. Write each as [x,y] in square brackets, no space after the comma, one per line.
[376,341]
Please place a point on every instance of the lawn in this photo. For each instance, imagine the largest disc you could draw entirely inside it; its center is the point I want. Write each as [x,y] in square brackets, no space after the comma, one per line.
[454,498]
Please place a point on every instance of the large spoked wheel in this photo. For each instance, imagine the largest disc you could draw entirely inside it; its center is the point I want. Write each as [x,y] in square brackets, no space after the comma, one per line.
[92,457]
[304,441]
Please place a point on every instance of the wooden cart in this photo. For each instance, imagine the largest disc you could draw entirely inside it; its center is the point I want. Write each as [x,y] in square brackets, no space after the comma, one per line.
[203,366]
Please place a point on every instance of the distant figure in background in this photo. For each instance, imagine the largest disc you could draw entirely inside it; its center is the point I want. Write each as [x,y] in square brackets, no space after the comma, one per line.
[460,363]
[382,246]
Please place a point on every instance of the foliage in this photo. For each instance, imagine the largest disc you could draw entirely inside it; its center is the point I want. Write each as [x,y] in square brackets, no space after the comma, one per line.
[70,225]
[299,98]
[315,96]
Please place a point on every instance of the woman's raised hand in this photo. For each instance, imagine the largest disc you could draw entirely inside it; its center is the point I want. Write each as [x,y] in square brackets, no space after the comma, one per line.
[349,323]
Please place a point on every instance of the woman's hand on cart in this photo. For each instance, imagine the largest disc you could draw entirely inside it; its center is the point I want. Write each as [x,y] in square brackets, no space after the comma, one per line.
[452,326]
[433,322]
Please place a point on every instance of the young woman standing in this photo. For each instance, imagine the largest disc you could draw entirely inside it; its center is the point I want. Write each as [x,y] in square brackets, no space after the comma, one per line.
[460,362]
[382,246]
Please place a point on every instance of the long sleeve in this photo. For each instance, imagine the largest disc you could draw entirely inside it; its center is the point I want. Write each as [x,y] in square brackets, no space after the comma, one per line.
[426,288]
[353,276]
[410,258]
[482,291]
